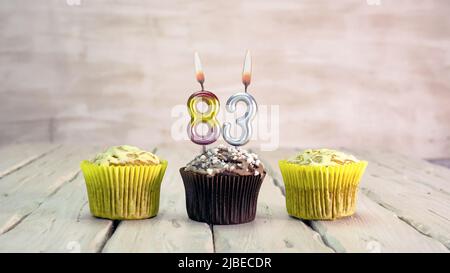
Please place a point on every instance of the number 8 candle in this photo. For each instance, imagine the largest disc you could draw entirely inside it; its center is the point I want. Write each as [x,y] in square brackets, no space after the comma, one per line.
[245,121]
[207,117]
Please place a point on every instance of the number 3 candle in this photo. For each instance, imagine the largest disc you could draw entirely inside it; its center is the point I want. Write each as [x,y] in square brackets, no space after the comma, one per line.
[244,121]
[207,117]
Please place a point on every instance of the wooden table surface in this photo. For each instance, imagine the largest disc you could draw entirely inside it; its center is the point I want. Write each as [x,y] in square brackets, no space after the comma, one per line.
[403,206]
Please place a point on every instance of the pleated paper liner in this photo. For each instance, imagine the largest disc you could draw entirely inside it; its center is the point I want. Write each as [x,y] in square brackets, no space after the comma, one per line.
[321,192]
[123,192]
[221,199]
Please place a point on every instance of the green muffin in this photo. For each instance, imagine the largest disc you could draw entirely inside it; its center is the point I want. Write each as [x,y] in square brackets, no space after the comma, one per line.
[321,184]
[124,183]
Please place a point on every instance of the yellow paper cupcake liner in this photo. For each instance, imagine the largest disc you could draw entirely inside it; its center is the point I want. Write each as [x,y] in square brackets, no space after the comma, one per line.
[321,192]
[123,192]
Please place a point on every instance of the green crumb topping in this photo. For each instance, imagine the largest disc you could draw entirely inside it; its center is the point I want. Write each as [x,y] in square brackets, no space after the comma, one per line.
[322,157]
[125,155]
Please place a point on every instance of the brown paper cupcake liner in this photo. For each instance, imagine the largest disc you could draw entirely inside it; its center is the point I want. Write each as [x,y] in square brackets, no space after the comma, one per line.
[221,199]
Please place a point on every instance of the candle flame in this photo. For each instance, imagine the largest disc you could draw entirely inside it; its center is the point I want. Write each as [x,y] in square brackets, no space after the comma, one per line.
[247,70]
[198,69]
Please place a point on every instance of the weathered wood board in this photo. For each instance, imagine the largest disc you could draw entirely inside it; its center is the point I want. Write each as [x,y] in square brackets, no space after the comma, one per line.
[24,191]
[19,155]
[403,206]
[272,230]
[374,229]
[171,230]
[62,223]
[421,206]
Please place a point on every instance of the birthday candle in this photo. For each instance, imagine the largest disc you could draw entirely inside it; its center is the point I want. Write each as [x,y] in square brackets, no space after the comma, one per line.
[207,117]
[244,121]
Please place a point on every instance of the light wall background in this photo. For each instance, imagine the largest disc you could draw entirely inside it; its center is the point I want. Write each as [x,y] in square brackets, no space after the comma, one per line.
[344,73]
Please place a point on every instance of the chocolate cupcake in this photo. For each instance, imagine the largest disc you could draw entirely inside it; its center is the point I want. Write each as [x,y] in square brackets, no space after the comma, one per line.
[222,185]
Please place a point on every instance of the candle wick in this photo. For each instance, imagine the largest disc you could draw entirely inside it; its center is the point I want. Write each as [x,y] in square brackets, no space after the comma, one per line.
[246,88]
[201,84]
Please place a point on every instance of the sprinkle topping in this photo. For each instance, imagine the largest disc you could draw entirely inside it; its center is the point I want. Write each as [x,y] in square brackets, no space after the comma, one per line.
[228,160]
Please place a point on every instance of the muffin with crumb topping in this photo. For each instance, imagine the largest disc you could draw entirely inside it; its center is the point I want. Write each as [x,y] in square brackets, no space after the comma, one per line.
[222,185]
[124,182]
[321,184]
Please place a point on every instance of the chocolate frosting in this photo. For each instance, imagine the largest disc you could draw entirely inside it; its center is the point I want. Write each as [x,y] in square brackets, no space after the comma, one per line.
[226,160]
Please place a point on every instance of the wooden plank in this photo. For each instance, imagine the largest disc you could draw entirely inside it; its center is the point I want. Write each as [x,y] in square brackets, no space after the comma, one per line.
[272,230]
[445,162]
[25,190]
[16,156]
[374,229]
[373,226]
[171,230]
[422,165]
[62,223]
[421,206]
[413,169]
